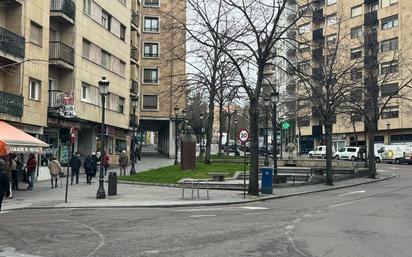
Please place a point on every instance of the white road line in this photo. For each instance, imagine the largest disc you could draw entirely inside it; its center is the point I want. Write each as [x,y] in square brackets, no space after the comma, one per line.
[353,192]
[297,221]
[4,212]
[201,216]
[199,210]
[307,215]
[250,214]
[290,227]
[254,208]
[345,203]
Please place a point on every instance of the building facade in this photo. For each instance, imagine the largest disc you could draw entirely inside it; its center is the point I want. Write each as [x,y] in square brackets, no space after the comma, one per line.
[54,52]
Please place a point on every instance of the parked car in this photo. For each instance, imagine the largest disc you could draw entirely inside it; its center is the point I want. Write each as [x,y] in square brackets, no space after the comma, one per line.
[395,153]
[348,153]
[320,152]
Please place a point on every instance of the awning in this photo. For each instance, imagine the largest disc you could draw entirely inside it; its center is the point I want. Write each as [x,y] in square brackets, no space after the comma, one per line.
[13,140]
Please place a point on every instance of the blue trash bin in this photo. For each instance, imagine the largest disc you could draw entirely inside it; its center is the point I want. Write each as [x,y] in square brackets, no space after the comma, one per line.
[267,180]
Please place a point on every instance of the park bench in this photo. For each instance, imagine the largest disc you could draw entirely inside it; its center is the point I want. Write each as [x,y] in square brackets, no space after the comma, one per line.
[218,176]
[283,177]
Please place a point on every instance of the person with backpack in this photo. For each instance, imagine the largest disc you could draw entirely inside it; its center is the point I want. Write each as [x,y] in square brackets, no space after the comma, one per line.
[89,169]
[4,182]
[75,164]
[31,166]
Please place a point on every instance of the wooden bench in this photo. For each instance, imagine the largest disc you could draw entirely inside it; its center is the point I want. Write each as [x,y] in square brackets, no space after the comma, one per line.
[218,176]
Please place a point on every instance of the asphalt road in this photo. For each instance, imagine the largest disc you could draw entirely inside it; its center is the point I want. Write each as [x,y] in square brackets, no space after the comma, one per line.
[364,221]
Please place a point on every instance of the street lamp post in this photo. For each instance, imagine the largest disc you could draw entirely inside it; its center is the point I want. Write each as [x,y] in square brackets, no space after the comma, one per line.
[176,139]
[184,112]
[267,103]
[103,90]
[134,99]
[275,99]
[388,127]
[236,151]
[201,116]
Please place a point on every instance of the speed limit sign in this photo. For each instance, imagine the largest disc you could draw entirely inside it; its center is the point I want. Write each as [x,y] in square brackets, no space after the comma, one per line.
[243,135]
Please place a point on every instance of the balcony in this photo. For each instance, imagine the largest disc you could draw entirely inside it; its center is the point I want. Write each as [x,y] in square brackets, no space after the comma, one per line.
[317,54]
[12,45]
[291,52]
[11,104]
[318,16]
[134,55]
[318,3]
[318,35]
[61,55]
[135,21]
[134,87]
[371,18]
[63,11]
[371,1]
[291,33]
[11,2]
[317,74]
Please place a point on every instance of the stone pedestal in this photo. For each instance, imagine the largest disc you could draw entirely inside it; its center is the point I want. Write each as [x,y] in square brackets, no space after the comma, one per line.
[188,156]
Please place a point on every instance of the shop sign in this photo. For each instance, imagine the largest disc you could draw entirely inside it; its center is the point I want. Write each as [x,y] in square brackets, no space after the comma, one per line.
[66,104]
[25,149]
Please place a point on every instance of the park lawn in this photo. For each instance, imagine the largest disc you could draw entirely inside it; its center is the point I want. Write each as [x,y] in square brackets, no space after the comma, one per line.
[172,174]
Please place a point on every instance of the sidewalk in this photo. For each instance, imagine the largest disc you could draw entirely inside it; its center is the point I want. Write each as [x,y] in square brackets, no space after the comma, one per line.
[84,196]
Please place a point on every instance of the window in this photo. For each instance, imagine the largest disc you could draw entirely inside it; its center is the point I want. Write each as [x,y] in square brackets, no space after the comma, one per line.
[390,22]
[122,67]
[356,32]
[151,50]
[331,19]
[87,7]
[303,66]
[34,89]
[356,74]
[106,18]
[356,118]
[36,32]
[304,9]
[105,59]
[389,67]
[390,44]
[356,10]
[150,102]
[389,89]
[85,92]
[390,112]
[151,24]
[120,146]
[374,7]
[150,75]
[121,105]
[304,28]
[386,3]
[329,2]
[151,3]
[86,49]
[122,32]
[356,53]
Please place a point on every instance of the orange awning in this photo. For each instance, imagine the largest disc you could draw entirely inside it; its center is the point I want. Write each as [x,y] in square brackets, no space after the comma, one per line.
[13,140]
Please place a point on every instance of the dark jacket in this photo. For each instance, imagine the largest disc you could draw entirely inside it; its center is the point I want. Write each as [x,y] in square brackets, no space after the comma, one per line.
[4,184]
[31,164]
[89,166]
[75,163]
[95,161]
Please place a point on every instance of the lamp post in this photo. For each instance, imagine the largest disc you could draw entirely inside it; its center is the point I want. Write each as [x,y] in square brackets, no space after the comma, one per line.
[274,97]
[267,103]
[134,99]
[176,139]
[103,90]
[236,151]
[388,127]
[201,116]
[184,112]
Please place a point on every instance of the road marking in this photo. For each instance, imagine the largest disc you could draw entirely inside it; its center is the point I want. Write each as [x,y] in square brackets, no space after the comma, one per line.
[345,203]
[151,252]
[353,192]
[250,214]
[307,215]
[297,221]
[290,227]
[202,216]
[254,208]
[11,252]
[199,210]
[4,212]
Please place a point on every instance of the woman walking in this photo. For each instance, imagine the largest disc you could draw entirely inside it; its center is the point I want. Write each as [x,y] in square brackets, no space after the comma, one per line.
[89,169]
[55,169]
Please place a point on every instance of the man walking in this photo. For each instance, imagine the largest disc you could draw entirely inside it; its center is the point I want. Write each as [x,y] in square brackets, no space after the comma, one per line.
[31,166]
[4,182]
[75,164]
[123,162]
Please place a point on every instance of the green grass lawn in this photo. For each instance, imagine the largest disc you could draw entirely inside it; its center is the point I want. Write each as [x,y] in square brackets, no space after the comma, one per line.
[172,174]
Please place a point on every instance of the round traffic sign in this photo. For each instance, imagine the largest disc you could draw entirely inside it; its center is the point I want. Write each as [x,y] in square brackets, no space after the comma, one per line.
[285,125]
[243,135]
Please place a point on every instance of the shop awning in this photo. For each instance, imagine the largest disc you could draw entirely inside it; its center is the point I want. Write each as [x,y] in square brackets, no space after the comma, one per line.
[13,140]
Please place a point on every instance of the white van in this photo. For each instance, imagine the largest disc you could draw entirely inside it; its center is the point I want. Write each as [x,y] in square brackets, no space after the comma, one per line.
[348,153]
[393,153]
[320,152]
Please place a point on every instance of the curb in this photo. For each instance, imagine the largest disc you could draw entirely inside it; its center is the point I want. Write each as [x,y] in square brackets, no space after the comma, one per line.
[260,199]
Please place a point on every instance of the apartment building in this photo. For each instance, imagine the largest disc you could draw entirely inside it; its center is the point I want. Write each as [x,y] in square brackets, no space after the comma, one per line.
[53,54]
[378,34]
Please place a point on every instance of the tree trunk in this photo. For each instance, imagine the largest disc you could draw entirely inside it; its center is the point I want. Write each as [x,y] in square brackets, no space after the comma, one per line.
[329,143]
[254,142]
[228,134]
[209,130]
[220,129]
[372,129]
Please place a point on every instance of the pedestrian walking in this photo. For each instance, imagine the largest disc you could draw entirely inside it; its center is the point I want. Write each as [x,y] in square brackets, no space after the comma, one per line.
[4,182]
[55,169]
[14,173]
[105,162]
[123,162]
[31,166]
[89,169]
[75,164]
[95,162]
[139,152]
[19,171]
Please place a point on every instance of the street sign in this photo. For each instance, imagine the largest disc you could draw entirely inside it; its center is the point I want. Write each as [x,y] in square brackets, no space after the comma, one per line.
[285,125]
[243,135]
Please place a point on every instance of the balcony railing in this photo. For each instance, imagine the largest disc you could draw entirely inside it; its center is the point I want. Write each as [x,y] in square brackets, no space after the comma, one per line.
[59,52]
[134,87]
[318,35]
[11,43]
[11,104]
[371,18]
[66,7]
[318,16]
[317,54]
[55,97]
[134,53]
[135,19]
